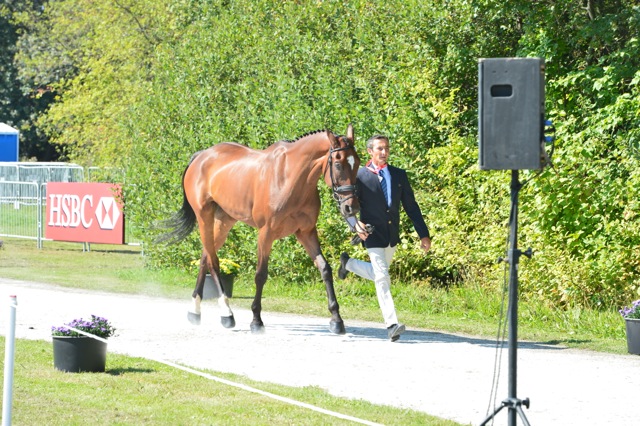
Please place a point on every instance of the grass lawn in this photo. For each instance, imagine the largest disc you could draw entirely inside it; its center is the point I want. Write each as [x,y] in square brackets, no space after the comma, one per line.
[136,391]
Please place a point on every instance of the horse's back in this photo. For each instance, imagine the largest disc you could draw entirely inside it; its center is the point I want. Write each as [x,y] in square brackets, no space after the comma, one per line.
[228,174]
[255,186]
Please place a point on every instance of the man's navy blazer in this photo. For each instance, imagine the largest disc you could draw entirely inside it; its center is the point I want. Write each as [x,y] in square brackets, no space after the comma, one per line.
[386,219]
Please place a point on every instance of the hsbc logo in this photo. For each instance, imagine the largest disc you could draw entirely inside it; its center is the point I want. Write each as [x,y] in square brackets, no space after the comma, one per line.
[84,212]
[107,212]
[69,210]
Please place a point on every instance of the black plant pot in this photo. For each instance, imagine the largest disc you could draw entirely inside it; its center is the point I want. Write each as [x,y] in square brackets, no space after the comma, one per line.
[633,335]
[211,292]
[78,354]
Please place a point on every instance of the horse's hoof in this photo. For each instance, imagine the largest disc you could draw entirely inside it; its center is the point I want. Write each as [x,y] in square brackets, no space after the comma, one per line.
[228,322]
[337,327]
[257,328]
[194,318]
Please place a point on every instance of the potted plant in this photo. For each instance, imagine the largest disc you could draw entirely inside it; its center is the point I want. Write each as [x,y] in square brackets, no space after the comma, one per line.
[228,272]
[229,267]
[81,345]
[631,315]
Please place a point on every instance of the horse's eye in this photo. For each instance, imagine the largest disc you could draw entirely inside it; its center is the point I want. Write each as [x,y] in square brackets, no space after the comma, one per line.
[338,166]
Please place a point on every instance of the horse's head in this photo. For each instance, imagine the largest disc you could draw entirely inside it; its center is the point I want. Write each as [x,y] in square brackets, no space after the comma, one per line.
[343,163]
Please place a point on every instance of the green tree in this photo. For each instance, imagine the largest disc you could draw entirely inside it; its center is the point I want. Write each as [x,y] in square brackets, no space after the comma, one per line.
[153,82]
[96,59]
[20,105]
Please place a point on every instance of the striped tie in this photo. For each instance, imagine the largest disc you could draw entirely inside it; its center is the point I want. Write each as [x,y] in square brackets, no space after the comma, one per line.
[383,184]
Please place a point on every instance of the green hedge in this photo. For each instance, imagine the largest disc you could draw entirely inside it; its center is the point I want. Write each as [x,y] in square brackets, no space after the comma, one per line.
[259,71]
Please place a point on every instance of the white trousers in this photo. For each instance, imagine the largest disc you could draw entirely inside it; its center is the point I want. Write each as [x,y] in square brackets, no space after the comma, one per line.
[378,271]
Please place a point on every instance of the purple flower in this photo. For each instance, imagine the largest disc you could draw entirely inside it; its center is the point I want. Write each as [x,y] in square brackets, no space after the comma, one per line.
[632,311]
[97,326]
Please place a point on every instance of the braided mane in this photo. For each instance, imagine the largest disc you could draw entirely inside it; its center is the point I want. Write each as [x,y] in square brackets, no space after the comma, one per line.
[303,136]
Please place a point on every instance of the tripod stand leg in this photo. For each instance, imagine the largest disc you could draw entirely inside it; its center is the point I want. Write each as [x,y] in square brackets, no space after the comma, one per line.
[522,416]
[512,404]
[492,415]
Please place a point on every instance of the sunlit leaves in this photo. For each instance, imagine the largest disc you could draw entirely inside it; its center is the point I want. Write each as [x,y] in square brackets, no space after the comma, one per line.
[153,82]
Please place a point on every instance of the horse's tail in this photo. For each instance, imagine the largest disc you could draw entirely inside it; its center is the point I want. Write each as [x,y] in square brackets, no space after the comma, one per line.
[181,224]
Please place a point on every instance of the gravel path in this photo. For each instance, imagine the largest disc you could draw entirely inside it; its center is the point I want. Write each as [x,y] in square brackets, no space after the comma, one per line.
[442,374]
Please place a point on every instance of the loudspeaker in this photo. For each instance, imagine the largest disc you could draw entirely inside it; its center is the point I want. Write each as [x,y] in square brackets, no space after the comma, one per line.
[511,113]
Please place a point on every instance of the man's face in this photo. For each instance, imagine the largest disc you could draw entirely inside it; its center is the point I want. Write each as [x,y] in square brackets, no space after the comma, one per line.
[379,153]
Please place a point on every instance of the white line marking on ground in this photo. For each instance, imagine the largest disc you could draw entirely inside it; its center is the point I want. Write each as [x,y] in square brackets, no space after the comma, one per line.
[267,394]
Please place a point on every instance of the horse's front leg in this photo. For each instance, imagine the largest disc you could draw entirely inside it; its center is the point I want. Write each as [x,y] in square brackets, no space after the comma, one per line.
[257,326]
[265,242]
[312,246]
[336,325]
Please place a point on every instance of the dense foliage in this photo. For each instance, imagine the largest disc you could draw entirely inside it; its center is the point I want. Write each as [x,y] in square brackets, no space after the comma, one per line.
[144,84]
[21,102]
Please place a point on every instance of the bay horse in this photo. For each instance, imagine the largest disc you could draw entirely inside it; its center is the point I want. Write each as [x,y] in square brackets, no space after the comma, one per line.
[274,190]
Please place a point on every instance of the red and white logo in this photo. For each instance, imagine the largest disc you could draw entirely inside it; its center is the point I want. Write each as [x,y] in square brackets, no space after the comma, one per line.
[107,213]
[84,212]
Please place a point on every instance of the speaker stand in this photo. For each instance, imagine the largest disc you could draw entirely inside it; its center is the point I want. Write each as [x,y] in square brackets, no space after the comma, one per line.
[513,404]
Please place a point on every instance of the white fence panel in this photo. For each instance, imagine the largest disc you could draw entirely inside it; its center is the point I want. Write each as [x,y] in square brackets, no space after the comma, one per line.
[41,172]
[20,209]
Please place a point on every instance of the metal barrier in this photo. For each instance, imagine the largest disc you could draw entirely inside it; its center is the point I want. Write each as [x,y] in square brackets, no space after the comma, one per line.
[41,172]
[20,210]
[23,196]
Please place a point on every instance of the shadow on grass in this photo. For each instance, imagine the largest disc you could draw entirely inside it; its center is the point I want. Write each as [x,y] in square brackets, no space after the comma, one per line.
[121,371]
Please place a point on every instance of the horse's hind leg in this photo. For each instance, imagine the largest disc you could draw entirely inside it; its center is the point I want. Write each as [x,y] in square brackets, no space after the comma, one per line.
[221,226]
[214,229]
[309,240]
[194,315]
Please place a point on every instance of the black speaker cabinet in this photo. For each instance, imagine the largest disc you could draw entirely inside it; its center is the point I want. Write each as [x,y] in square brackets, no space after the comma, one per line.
[511,113]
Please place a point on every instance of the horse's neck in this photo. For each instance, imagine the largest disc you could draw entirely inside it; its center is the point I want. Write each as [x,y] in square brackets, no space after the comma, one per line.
[311,158]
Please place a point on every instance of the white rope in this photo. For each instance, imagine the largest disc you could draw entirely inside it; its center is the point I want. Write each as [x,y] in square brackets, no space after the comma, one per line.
[84,333]
[245,387]
[267,394]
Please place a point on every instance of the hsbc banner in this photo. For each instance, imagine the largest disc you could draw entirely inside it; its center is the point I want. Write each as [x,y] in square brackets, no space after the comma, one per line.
[85,213]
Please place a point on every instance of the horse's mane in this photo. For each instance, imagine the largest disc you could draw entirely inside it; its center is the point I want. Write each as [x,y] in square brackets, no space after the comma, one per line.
[305,135]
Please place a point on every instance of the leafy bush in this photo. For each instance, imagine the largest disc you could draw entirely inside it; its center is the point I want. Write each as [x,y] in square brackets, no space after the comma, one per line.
[198,73]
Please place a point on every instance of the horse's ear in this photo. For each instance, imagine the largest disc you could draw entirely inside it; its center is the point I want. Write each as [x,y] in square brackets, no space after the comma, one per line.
[350,132]
[332,139]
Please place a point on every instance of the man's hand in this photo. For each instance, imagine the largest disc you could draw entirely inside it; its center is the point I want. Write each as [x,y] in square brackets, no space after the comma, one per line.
[425,244]
[363,230]
[362,233]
